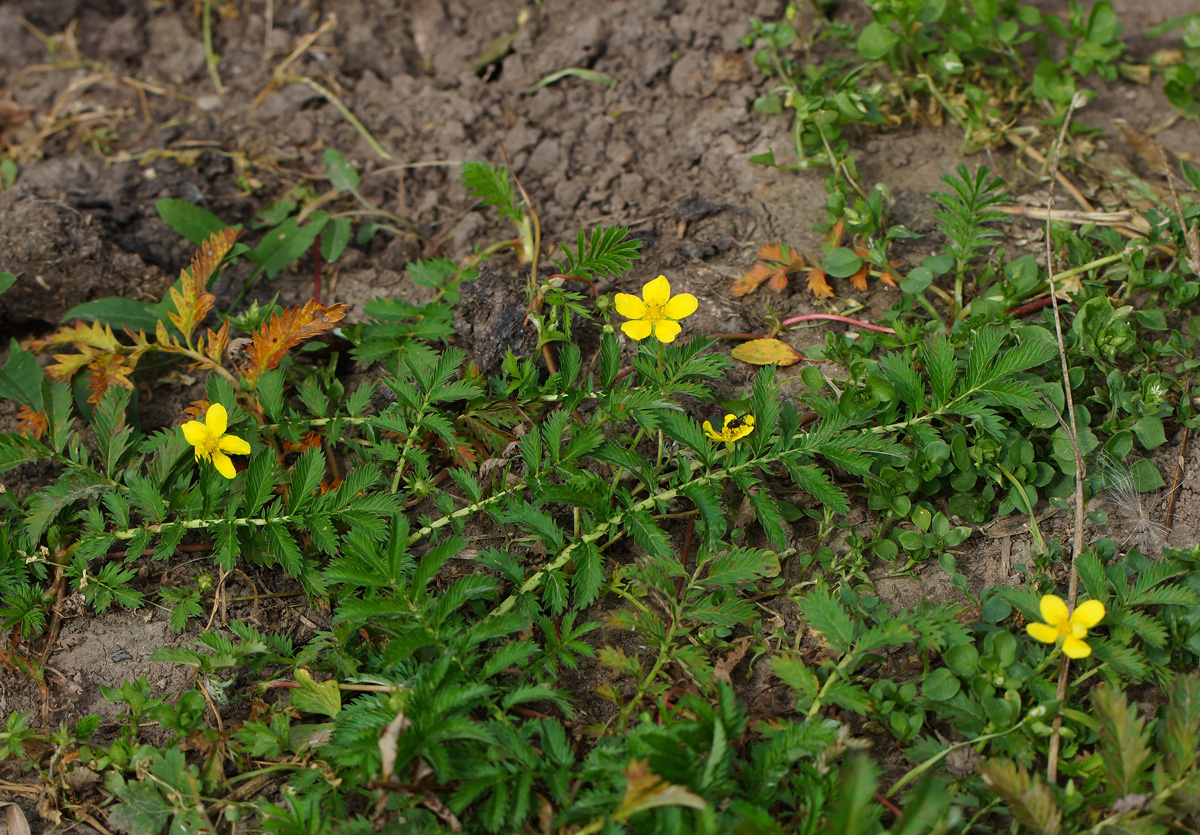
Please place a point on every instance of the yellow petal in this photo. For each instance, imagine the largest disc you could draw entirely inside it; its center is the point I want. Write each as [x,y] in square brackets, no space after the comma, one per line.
[657,292]
[729,418]
[1054,610]
[1088,614]
[637,329]
[741,431]
[684,304]
[1076,648]
[748,420]
[1043,632]
[710,432]
[217,419]
[195,432]
[631,307]
[666,330]
[224,464]
[234,444]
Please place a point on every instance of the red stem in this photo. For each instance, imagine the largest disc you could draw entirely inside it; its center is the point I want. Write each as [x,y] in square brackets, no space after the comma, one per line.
[833,317]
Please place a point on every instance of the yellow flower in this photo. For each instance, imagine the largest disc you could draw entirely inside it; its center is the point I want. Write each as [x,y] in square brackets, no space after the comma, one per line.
[1070,628]
[655,312]
[212,443]
[735,427]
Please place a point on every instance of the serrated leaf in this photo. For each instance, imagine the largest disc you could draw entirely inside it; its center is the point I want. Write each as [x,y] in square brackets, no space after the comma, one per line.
[1124,741]
[742,565]
[284,331]
[316,697]
[827,616]
[769,517]
[192,300]
[589,574]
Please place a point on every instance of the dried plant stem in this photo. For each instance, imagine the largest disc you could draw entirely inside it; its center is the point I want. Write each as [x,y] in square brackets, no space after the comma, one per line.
[1072,430]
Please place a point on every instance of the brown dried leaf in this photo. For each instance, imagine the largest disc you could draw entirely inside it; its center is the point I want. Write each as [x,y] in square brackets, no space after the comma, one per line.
[285,331]
[105,371]
[818,285]
[15,822]
[767,351]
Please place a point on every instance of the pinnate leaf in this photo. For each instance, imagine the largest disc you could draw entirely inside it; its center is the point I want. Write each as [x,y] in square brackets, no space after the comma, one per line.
[286,330]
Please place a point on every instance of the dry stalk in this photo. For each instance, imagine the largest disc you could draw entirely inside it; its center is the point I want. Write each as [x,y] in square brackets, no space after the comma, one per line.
[1071,429]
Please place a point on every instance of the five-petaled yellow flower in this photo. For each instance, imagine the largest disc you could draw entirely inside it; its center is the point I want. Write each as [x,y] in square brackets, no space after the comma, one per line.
[212,443]
[655,312]
[735,428]
[1069,627]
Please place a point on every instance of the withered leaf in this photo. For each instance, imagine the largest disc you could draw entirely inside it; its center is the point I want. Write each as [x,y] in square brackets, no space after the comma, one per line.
[286,330]
[767,351]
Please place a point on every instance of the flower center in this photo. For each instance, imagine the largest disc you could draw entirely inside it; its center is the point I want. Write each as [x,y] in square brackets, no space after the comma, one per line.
[654,312]
[1066,629]
[208,446]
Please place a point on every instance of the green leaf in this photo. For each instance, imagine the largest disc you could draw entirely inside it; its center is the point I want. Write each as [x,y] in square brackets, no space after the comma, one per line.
[609,251]
[316,697]
[307,473]
[842,263]
[117,312]
[335,239]
[21,377]
[825,615]
[493,187]
[769,517]
[876,41]
[574,72]
[142,811]
[287,242]
[6,280]
[342,175]
[189,220]
[941,685]
[1150,433]
[589,575]
[1124,745]
[648,535]
[742,565]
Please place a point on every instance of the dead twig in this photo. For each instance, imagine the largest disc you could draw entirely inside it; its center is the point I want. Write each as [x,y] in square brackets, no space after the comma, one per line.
[1070,424]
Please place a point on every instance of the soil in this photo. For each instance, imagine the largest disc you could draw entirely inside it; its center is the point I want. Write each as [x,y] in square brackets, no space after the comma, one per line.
[107,106]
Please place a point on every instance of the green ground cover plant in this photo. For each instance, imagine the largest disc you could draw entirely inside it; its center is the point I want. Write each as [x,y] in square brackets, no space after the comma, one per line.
[541,583]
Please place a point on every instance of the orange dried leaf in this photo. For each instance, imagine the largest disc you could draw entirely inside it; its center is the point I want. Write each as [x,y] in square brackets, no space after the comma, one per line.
[771,252]
[284,331]
[818,285]
[752,280]
[192,300]
[214,346]
[778,281]
[766,352]
[859,279]
[32,423]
